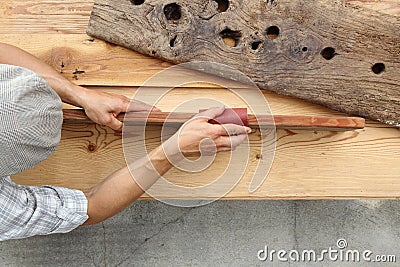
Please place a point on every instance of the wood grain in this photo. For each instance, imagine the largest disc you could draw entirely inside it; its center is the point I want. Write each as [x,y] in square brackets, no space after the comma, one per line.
[307,165]
[71,17]
[344,57]
[311,123]
[119,70]
[362,163]
[44,16]
[102,63]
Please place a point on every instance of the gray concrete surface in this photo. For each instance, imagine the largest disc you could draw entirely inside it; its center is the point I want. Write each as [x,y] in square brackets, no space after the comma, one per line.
[224,233]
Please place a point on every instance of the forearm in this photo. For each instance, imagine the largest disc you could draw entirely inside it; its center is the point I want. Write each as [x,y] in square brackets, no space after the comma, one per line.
[68,91]
[120,189]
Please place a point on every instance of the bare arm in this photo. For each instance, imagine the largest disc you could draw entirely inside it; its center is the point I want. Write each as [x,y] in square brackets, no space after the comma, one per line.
[101,107]
[68,91]
[120,189]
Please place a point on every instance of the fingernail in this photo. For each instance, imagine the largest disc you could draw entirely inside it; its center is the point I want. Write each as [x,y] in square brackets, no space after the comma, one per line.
[248,130]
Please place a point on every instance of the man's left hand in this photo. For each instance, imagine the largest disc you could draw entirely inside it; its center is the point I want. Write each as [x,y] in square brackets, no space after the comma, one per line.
[103,108]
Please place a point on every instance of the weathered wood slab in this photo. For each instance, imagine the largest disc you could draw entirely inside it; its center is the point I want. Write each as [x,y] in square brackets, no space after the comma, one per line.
[313,123]
[341,56]
[71,17]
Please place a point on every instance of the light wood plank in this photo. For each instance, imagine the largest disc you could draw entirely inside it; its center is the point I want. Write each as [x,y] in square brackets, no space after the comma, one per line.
[362,163]
[102,63]
[44,16]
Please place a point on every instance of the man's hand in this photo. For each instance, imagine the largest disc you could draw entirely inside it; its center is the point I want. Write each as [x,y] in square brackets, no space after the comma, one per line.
[198,136]
[100,107]
[126,185]
[103,108]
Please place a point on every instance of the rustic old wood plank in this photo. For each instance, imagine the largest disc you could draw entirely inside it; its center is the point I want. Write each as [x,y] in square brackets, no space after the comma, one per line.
[362,163]
[344,57]
[59,16]
[313,123]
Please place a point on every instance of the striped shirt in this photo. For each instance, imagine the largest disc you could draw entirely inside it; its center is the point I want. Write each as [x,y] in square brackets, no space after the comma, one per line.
[30,130]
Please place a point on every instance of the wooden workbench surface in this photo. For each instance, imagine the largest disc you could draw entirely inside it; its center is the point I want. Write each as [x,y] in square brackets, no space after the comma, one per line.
[307,164]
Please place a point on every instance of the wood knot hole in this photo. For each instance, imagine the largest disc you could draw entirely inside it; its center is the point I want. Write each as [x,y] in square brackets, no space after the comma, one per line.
[378,68]
[173,12]
[230,37]
[137,2]
[328,53]
[272,32]
[223,5]
[256,45]
[172,41]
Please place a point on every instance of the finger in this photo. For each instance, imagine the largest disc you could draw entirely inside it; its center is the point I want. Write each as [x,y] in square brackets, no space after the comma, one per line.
[137,105]
[211,113]
[114,123]
[224,149]
[230,142]
[233,129]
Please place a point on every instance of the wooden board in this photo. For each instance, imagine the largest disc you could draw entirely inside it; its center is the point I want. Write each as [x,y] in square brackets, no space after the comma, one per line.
[357,164]
[307,164]
[310,165]
[61,17]
[344,57]
[311,123]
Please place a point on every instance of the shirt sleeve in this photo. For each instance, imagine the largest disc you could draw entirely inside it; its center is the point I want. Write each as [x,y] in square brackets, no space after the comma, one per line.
[30,210]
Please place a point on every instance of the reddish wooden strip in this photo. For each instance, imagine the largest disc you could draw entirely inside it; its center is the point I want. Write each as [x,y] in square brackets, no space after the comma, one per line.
[281,121]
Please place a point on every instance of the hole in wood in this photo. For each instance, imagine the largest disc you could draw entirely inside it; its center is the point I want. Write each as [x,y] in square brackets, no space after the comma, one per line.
[304,49]
[172,41]
[328,53]
[173,12]
[255,45]
[137,2]
[223,5]
[378,68]
[272,32]
[231,38]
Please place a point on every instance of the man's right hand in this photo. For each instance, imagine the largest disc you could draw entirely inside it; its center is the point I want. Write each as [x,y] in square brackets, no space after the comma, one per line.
[198,136]
[126,185]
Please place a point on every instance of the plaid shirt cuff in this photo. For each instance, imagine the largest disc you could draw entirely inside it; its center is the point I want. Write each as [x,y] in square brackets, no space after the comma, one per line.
[30,210]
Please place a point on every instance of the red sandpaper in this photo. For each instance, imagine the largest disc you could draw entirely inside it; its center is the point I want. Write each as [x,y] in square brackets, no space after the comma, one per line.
[231,116]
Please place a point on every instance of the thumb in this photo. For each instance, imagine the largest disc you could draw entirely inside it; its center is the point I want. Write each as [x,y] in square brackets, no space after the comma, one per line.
[212,112]
[114,123]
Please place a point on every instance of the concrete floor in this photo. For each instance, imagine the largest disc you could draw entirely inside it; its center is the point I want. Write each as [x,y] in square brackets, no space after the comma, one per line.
[224,233]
